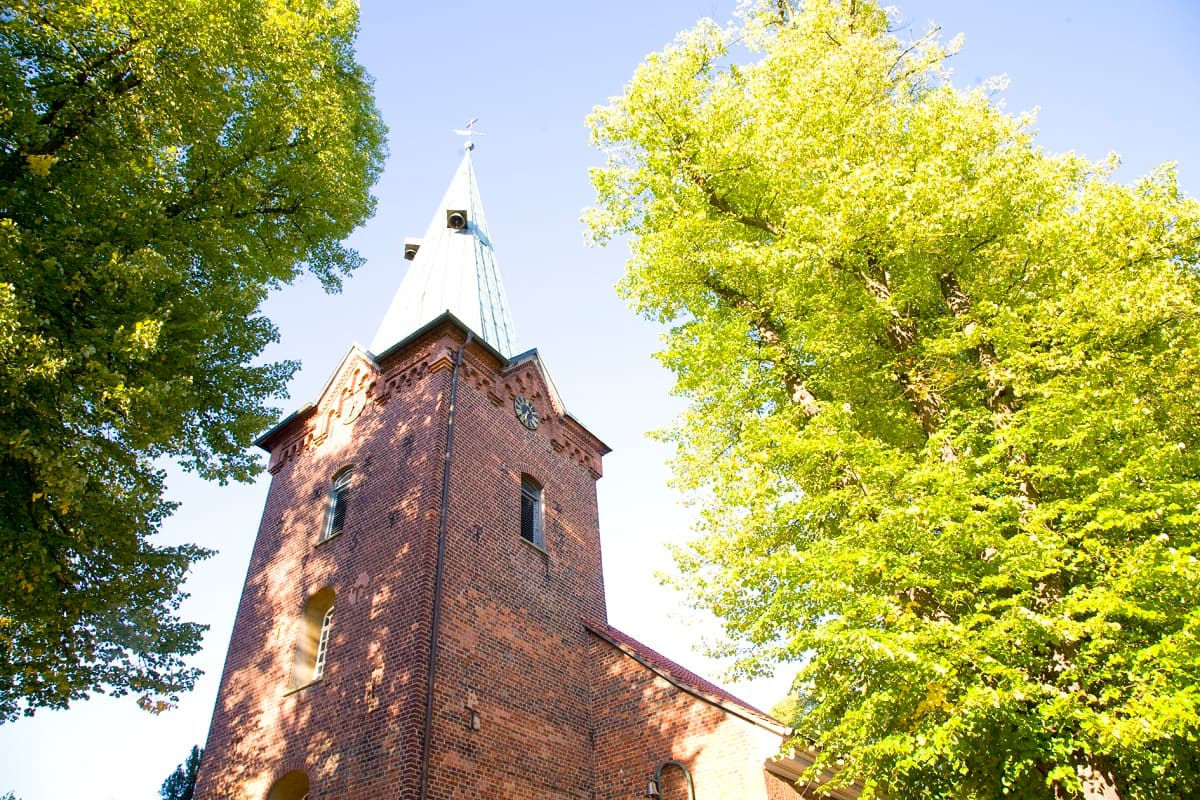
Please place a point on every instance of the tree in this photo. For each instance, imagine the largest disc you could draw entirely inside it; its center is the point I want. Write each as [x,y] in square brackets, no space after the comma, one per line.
[162,166]
[181,784]
[943,392]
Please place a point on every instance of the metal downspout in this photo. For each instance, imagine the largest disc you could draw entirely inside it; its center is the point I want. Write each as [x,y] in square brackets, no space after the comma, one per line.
[438,573]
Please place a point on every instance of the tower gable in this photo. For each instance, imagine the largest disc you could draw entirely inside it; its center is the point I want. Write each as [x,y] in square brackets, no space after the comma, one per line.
[526,379]
[343,400]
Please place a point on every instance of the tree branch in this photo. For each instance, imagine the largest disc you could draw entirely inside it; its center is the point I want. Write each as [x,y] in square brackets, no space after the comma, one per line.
[1000,398]
[901,333]
[769,332]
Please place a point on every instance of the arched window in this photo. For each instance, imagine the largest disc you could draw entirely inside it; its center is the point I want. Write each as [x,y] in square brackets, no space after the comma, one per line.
[532,516]
[292,786]
[339,500]
[312,646]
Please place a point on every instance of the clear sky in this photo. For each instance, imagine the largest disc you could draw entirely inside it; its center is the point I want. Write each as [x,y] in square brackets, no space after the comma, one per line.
[1107,76]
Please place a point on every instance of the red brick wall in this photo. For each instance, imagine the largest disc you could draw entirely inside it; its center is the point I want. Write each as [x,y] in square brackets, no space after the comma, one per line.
[512,642]
[512,635]
[356,732]
[528,703]
[647,721]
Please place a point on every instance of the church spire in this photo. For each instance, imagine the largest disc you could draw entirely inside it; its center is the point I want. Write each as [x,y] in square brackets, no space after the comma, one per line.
[453,269]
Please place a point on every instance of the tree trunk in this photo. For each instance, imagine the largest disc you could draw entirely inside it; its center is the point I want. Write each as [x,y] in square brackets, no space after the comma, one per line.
[901,334]
[1098,781]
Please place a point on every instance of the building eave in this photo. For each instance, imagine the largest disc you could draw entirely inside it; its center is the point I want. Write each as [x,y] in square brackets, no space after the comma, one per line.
[441,319]
[793,766]
[264,440]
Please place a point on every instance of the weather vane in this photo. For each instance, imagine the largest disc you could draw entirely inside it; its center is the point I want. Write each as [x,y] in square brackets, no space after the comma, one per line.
[467,131]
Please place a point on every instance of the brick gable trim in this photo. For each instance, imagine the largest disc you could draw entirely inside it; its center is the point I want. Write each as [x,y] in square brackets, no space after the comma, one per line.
[355,353]
[684,679]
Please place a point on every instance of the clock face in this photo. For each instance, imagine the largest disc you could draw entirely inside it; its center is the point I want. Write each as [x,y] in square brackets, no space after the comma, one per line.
[525,411]
[353,406]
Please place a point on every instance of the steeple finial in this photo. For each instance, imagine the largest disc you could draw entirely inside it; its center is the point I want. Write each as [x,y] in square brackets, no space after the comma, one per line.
[467,131]
[453,269]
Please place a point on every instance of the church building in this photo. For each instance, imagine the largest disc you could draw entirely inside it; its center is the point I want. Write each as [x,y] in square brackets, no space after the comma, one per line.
[424,616]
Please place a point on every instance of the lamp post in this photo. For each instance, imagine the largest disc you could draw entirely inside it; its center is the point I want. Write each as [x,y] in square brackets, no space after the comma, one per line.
[654,787]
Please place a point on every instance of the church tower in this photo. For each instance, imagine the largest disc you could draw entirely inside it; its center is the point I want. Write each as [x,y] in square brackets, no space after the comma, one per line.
[416,617]
[423,616]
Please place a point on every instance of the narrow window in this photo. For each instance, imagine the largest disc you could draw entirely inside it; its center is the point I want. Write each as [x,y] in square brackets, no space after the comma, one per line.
[339,500]
[531,512]
[323,644]
[312,645]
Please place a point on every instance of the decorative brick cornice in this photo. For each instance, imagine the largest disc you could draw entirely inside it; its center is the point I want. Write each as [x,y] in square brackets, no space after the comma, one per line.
[586,457]
[401,378]
[480,378]
[294,447]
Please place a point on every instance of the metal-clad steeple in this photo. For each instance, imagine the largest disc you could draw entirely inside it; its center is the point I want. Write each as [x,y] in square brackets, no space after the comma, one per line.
[454,270]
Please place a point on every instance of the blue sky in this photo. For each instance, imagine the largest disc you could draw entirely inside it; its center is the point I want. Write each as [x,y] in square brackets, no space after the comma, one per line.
[1107,76]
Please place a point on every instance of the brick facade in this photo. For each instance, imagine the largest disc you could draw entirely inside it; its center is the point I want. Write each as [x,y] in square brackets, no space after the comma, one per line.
[649,718]
[534,695]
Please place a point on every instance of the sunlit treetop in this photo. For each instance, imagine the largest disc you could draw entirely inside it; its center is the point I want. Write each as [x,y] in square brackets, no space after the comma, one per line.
[944,393]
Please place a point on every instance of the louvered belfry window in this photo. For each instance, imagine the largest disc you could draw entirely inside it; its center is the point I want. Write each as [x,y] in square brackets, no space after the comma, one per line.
[339,500]
[531,512]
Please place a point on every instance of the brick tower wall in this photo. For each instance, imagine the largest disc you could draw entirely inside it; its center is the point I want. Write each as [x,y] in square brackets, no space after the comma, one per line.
[512,644]
[513,649]
[356,732]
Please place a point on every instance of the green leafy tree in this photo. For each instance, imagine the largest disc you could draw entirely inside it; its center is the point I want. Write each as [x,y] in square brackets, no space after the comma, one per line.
[943,406]
[162,166]
[181,784]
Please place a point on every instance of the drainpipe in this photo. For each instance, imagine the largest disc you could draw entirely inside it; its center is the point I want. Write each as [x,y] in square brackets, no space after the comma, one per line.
[438,573]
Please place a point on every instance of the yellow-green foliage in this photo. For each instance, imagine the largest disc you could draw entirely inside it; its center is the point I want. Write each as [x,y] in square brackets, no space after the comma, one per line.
[944,406]
[162,165]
